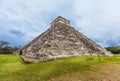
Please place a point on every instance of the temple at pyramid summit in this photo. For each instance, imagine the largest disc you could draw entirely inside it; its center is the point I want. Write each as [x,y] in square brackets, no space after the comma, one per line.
[61,40]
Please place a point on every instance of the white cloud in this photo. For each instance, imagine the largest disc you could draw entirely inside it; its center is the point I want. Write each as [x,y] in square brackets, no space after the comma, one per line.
[98,19]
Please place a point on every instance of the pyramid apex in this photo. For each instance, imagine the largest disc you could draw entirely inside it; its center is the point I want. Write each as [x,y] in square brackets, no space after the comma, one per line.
[60,19]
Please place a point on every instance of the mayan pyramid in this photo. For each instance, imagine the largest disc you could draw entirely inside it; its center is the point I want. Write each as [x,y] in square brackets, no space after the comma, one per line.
[60,41]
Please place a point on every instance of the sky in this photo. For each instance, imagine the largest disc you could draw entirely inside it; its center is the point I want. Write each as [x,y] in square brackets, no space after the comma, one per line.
[23,20]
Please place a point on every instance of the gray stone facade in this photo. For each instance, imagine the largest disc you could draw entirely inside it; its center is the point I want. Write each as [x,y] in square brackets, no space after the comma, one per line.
[60,41]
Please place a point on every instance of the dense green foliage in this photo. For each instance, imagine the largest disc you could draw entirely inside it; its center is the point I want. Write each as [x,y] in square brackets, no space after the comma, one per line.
[114,50]
[12,68]
[5,48]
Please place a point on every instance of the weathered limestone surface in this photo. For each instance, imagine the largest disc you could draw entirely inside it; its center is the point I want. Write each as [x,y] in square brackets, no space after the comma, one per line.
[60,41]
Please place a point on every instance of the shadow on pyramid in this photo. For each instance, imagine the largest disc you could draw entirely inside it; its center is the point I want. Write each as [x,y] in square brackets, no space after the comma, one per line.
[60,41]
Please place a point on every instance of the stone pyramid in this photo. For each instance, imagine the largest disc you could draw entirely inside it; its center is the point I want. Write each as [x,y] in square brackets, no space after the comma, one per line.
[60,41]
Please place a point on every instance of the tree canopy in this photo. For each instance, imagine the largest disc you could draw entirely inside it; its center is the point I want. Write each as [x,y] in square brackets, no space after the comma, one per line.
[5,48]
[114,50]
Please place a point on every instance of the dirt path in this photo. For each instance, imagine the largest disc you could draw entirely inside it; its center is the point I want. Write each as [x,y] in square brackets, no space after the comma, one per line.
[108,72]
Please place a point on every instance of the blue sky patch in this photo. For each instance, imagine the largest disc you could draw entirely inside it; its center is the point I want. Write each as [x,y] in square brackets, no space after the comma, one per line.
[26,19]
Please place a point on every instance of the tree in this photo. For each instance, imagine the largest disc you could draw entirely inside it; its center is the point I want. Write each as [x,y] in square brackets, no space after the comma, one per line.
[5,48]
[4,44]
[114,50]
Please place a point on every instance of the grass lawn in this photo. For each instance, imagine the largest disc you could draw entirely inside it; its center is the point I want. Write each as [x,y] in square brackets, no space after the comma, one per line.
[12,68]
